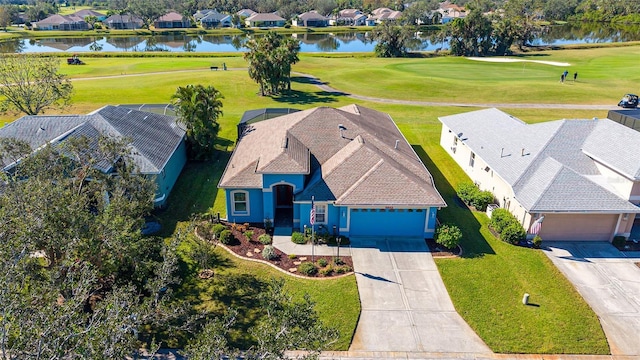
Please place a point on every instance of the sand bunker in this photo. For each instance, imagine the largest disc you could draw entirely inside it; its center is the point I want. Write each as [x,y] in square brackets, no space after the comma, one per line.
[505,60]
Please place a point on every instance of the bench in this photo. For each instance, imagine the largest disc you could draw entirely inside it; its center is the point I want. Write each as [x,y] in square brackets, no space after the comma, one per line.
[214,68]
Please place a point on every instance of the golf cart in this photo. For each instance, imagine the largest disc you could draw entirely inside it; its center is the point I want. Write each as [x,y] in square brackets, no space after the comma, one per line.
[629,101]
[75,60]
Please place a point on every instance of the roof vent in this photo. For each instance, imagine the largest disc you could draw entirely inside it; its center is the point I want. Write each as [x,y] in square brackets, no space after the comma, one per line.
[342,129]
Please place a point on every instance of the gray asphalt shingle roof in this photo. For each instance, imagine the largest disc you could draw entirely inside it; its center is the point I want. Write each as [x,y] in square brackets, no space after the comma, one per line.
[368,162]
[154,138]
[550,165]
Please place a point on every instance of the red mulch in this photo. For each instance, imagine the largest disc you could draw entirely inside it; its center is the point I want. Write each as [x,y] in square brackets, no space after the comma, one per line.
[241,246]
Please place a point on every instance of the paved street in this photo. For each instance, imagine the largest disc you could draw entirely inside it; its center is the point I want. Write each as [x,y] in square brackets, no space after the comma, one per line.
[405,305]
[609,281]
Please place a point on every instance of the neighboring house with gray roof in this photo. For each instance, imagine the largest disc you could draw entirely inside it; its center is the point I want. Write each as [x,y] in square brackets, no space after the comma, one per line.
[362,174]
[264,20]
[123,21]
[172,20]
[583,176]
[62,22]
[157,143]
[310,19]
[216,20]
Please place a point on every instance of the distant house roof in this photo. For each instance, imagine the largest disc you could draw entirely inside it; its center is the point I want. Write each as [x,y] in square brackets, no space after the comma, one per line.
[154,137]
[382,14]
[215,17]
[202,13]
[349,13]
[311,15]
[170,16]
[264,17]
[246,12]
[353,155]
[57,19]
[124,18]
[552,166]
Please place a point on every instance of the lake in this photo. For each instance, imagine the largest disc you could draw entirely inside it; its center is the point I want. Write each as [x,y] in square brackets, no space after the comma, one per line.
[339,42]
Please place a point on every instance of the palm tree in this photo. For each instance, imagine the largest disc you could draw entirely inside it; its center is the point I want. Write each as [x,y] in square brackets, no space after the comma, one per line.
[198,109]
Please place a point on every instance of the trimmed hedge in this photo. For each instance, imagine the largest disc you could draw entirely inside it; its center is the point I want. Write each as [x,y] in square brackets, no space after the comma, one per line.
[308,268]
[298,238]
[265,239]
[508,226]
[471,195]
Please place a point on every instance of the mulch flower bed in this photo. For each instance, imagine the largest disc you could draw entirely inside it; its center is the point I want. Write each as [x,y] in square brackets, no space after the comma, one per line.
[252,249]
[438,250]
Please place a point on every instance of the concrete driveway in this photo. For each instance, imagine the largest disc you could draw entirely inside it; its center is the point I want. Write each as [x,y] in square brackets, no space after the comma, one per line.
[610,283]
[405,305]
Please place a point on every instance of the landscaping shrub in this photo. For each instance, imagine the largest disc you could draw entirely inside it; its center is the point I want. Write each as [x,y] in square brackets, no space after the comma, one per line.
[343,269]
[481,199]
[338,261]
[326,271]
[292,256]
[465,191]
[513,234]
[298,238]
[248,234]
[537,242]
[217,229]
[322,262]
[265,239]
[269,252]
[225,237]
[448,235]
[619,241]
[471,195]
[308,268]
[500,218]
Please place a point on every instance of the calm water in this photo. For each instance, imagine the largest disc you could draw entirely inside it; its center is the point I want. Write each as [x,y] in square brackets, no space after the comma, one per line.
[344,42]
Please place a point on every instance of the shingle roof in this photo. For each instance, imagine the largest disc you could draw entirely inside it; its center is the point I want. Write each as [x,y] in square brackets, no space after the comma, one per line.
[368,162]
[170,16]
[154,137]
[311,15]
[264,17]
[550,165]
[60,19]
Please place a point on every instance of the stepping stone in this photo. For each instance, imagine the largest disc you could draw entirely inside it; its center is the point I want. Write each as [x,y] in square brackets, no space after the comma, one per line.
[256,250]
[293,269]
[303,258]
[250,254]
[297,263]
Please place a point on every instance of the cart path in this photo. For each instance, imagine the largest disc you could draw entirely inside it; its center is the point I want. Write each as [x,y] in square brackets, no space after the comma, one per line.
[324,87]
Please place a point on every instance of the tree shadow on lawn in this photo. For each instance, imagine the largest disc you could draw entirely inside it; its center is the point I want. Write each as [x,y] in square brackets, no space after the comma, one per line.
[473,243]
[305,98]
[195,192]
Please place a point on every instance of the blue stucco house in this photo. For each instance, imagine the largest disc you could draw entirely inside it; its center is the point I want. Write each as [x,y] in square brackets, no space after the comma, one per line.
[364,177]
[157,143]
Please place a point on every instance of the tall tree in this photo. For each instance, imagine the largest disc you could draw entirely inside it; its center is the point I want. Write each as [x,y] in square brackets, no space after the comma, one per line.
[270,58]
[30,84]
[78,280]
[7,14]
[470,36]
[523,15]
[393,40]
[198,108]
[147,10]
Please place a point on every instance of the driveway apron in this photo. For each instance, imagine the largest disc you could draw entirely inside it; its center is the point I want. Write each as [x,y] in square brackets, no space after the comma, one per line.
[405,305]
[609,281]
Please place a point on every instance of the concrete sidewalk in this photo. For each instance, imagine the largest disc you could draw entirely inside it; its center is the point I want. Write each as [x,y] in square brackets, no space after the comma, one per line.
[284,244]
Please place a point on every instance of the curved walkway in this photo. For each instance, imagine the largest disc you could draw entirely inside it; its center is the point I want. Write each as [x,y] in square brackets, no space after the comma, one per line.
[324,87]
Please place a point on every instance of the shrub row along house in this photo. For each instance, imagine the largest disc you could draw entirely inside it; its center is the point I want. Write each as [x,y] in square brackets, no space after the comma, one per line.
[353,162]
[157,143]
[582,176]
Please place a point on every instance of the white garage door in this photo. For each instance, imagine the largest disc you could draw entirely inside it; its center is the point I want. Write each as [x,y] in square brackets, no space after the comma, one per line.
[387,222]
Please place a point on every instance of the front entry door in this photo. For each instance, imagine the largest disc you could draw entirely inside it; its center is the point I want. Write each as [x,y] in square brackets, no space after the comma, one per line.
[284,196]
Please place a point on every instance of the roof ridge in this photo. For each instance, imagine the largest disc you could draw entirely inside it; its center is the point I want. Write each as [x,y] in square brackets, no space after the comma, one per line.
[362,178]
[538,156]
[546,188]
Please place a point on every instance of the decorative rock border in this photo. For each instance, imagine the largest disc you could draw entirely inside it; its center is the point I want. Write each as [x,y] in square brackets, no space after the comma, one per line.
[195,231]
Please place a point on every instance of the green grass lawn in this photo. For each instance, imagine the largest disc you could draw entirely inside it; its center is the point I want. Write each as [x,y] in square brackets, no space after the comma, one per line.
[487,284]
[604,75]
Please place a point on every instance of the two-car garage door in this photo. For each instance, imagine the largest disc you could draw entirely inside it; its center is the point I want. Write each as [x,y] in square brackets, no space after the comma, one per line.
[387,222]
[581,227]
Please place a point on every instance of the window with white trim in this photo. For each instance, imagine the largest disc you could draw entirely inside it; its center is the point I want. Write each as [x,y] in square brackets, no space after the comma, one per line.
[240,202]
[321,212]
